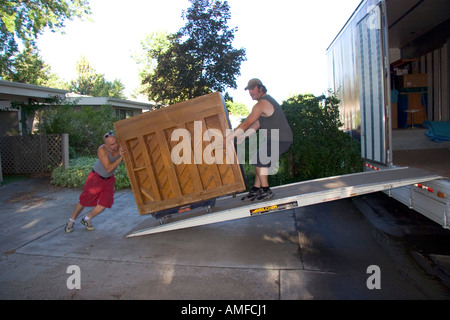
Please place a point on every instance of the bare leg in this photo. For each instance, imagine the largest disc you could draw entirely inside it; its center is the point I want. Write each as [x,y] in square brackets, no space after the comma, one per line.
[78,208]
[262,177]
[96,211]
[76,211]
[257,183]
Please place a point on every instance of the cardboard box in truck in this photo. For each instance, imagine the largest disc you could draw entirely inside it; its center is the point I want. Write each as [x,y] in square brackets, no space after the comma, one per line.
[414,80]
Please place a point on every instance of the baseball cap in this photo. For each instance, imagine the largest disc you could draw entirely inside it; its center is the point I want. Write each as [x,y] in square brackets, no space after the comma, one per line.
[252,83]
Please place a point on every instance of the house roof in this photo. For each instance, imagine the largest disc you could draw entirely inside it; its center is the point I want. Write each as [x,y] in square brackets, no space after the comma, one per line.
[115,102]
[14,91]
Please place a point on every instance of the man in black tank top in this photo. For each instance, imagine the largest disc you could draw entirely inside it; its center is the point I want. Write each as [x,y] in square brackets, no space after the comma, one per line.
[267,115]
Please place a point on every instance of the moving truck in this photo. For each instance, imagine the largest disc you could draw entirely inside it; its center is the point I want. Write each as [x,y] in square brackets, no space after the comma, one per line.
[389,66]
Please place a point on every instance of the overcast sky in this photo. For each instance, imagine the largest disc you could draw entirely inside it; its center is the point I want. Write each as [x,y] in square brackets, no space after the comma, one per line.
[285,40]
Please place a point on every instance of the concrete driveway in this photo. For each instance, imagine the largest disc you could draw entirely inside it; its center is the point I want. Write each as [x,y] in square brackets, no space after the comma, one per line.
[316,252]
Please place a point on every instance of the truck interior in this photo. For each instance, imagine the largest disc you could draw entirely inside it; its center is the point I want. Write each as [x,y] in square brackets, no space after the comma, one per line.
[419,39]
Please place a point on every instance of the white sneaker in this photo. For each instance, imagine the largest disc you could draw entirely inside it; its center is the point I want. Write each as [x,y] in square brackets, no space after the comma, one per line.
[69,226]
[88,224]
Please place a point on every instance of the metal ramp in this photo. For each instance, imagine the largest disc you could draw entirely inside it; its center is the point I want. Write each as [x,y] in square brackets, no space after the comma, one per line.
[301,194]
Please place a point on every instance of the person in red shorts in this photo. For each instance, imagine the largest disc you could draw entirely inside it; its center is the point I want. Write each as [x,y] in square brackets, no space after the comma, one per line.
[98,192]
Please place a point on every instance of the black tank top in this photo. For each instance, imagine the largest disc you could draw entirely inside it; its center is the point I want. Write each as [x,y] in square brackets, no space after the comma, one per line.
[276,121]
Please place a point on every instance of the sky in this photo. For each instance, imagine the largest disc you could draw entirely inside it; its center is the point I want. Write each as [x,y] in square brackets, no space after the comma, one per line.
[285,41]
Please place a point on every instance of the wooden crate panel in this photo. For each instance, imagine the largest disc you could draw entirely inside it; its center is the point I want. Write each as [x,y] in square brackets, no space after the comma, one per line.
[153,138]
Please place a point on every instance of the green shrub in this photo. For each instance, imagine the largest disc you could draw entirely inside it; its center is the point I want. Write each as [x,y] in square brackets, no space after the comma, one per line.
[85,126]
[75,176]
[320,149]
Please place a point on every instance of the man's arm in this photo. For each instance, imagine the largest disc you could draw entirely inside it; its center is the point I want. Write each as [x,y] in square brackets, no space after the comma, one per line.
[253,128]
[251,122]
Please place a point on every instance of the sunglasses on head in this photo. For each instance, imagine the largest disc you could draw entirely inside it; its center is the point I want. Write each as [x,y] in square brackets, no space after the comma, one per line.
[108,134]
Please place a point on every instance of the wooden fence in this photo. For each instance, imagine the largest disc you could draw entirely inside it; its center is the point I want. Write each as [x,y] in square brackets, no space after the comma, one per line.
[33,153]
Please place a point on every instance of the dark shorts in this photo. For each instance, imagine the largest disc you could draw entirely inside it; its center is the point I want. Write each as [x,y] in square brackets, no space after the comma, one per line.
[263,157]
[98,191]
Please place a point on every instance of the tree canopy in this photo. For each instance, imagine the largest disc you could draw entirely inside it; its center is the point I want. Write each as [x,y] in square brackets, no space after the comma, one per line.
[24,20]
[89,82]
[200,57]
[28,67]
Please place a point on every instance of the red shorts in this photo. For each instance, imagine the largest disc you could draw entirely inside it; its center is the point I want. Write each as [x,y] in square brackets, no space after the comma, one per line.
[98,191]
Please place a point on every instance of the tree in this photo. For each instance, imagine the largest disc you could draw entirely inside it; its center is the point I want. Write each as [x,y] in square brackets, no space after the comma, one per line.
[28,67]
[153,44]
[237,109]
[25,20]
[200,58]
[89,82]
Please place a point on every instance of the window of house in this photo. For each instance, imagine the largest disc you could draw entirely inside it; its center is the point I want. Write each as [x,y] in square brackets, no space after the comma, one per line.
[124,114]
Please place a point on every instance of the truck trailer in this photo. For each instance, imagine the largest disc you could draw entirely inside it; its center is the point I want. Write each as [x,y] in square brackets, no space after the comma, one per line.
[389,67]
